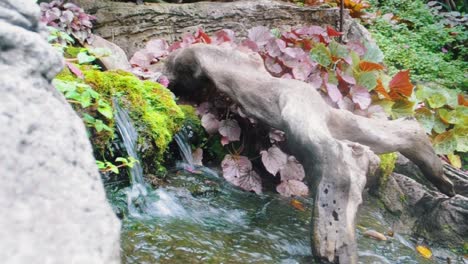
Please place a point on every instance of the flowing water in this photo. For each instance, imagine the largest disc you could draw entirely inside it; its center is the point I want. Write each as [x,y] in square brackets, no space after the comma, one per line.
[199,218]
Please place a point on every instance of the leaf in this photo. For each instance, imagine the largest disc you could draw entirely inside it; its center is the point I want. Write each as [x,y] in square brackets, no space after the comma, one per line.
[276,135]
[298,205]
[333,92]
[360,96]
[375,235]
[250,182]
[380,89]
[292,170]
[370,66]
[321,54]
[333,33]
[424,251]
[455,160]
[439,125]
[273,159]
[373,53]
[461,134]
[400,85]
[426,118]
[402,108]
[157,48]
[210,123]
[436,100]
[235,166]
[75,70]
[367,80]
[445,143]
[292,188]
[337,50]
[260,35]
[230,129]
[83,57]
[105,109]
[462,100]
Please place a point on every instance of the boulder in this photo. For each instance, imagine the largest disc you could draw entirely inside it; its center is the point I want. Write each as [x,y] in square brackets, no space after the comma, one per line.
[130,26]
[51,196]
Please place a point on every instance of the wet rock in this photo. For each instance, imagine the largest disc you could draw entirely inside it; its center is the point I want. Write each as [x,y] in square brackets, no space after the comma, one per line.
[53,201]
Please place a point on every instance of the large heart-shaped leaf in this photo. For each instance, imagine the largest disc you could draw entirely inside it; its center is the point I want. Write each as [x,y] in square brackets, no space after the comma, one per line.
[292,170]
[273,159]
[400,85]
[230,129]
[210,123]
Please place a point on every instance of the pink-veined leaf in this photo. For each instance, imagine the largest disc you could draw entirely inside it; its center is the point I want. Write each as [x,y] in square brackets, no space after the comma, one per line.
[302,71]
[275,47]
[273,159]
[230,129]
[210,123]
[276,135]
[250,182]
[292,188]
[141,59]
[247,43]
[224,141]
[360,96]
[75,70]
[260,35]
[333,92]
[272,66]
[234,166]
[225,35]
[292,170]
[346,104]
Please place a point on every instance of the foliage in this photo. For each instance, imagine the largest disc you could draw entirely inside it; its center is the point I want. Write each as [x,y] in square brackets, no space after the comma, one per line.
[68,18]
[387,164]
[412,37]
[105,166]
[444,115]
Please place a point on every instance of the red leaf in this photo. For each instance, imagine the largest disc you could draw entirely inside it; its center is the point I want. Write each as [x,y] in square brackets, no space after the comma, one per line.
[75,70]
[332,32]
[462,100]
[370,66]
[381,89]
[400,85]
[201,36]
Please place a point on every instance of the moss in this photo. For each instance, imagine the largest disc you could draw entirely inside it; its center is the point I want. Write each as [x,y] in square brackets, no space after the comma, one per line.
[387,164]
[150,104]
[72,52]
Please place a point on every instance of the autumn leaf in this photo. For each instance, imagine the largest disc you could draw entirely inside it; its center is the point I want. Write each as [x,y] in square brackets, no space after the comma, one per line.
[375,235]
[424,251]
[370,66]
[445,143]
[75,70]
[380,89]
[400,86]
[238,171]
[332,32]
[298,205]
[462,100]
[273,159]
[455,160]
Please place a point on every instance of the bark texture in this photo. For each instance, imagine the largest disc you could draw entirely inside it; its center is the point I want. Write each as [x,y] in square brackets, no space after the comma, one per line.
[130,26]
[336,147]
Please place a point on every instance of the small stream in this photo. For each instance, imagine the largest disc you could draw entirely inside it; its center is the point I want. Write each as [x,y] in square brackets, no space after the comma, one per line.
[199,218]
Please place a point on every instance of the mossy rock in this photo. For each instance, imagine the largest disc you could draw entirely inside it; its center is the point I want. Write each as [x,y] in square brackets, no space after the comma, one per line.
[151,106]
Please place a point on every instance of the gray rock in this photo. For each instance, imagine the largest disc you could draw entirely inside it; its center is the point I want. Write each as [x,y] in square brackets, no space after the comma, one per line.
[130,26]
[335,146]
[51,197]
[116,60]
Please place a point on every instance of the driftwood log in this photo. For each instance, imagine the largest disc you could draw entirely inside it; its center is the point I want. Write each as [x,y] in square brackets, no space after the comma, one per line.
[130,26]
[336,147]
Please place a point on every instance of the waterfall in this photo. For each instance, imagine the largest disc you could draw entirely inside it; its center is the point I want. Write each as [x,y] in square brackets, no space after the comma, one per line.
[139,200]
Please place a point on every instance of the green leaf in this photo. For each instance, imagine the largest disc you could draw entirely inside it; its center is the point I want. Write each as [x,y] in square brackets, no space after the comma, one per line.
[122,160]
[321,54]
[425,118]
[439,125]
[88,118]
[100,164]
[445,143]
[99,125]
[338,50]
[373,53]
[105,109]
[368,80]
[355,59]
[402,108]
[461,133]
[436,100]
[112,167]
[83,57]
[85,99]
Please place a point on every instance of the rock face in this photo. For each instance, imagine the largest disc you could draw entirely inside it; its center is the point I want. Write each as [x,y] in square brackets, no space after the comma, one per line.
[335,146]
[130,26]
[51,197]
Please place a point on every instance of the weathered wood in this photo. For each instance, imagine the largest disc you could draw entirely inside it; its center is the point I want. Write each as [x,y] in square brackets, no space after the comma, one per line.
[317,135]
[130,26]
